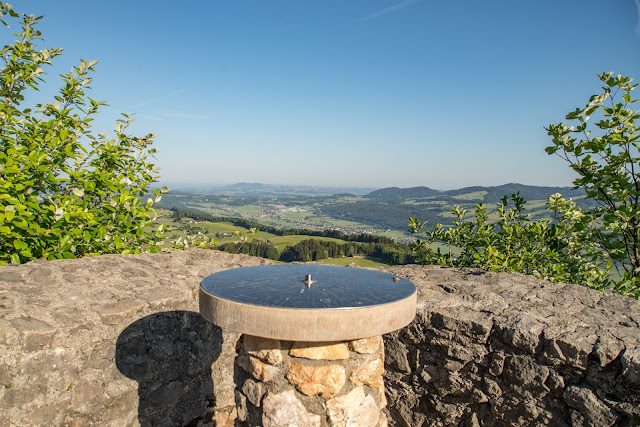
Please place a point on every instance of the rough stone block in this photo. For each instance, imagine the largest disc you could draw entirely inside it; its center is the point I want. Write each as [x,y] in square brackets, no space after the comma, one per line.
[34,333]
[241,406]
[382,397]
[522,331]
[225,417]
[353,409]
[285,409]
[464,321]
[222,371]
[524,377]
[256,368]
[323,380]
[607,348]
[590,407]
[576,346]
[265,349]
[320,350]
[497,364]
[369,373]
[116,312]
[254,391]
[631,365]
[396,356]
[366,345]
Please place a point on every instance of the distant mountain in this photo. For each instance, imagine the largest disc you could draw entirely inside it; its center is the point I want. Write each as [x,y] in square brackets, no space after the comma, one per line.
[254,189]
[528,192]
[395,194]
[391,207]
[476,193]
[257,189]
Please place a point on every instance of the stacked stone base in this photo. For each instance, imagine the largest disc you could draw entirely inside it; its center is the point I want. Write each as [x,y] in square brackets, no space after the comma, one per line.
[280,383]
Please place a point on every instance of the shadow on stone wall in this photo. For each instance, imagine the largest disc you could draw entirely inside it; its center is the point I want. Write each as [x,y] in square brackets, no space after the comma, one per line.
[170,354]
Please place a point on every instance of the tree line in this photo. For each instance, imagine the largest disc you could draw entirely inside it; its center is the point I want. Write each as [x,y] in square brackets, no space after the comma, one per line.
[315,250]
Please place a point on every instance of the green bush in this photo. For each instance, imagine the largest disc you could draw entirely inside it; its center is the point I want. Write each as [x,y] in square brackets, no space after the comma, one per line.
[65,192]
[606,156]
[598,248]
[544,249]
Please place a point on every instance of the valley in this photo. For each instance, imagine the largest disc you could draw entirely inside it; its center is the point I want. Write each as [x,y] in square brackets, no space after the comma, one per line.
[383,212]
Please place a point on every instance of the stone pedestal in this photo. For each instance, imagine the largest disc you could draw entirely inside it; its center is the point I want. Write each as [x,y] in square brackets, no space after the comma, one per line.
[280,383]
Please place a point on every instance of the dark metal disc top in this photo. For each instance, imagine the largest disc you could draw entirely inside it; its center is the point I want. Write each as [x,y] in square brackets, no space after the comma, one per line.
[290,286]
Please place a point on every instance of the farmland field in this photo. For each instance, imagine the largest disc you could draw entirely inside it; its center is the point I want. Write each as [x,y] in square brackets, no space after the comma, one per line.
[368,262]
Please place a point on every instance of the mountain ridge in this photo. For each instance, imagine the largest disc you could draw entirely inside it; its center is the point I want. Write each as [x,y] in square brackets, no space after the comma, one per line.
[493,193]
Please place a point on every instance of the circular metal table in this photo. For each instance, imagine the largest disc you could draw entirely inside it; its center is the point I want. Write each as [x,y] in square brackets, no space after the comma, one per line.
[337,303]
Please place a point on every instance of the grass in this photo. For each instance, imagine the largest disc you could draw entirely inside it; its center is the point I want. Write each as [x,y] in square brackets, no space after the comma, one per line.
[394,234]
[286,220]
[361,262]
[476,195]
[281,242]
[210,229]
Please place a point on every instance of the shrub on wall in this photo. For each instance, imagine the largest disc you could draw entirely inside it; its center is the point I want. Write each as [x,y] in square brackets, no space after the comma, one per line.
[598,248]
[64,191]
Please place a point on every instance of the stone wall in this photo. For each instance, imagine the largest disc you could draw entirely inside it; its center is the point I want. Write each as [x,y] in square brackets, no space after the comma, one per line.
[113,340]
[117,340]
[490,349]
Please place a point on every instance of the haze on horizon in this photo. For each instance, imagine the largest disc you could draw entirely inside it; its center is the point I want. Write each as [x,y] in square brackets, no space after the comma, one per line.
[365,93]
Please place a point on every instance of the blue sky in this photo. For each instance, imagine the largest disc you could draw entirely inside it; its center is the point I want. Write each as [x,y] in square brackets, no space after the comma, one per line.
[371,93]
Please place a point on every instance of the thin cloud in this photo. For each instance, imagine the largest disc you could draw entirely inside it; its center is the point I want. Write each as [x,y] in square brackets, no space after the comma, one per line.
[150,117]
[140,104]
[175,92]
[186,116]
[395,8]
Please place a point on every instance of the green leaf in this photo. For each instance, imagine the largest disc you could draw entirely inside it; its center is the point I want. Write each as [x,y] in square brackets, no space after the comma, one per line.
[9,213]
[19,244]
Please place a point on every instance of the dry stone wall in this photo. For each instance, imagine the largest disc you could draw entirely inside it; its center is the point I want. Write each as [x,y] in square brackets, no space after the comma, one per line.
[490,349]
[117,340]
[314,384]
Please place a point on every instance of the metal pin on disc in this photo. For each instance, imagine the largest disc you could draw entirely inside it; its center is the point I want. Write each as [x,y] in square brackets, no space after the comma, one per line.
[307,280]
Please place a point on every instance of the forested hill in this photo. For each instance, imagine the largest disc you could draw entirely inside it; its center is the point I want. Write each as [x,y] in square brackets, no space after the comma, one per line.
[528,192]
[477,193]
[395,194]
[391,207]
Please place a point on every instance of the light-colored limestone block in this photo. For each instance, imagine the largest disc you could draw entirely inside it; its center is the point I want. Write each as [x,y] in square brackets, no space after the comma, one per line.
[382,397]
[265,349]
[320,351]
[369,373]
[366,345]
[284,409]
[256,368]
[353,409]
[323,380]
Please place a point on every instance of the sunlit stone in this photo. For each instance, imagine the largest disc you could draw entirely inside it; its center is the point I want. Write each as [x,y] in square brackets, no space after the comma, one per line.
[324,380]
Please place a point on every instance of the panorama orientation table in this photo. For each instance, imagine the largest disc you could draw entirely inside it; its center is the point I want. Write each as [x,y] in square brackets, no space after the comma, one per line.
[311,348]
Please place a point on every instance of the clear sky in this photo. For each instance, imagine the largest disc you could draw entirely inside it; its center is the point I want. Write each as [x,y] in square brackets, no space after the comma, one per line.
[371,93]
